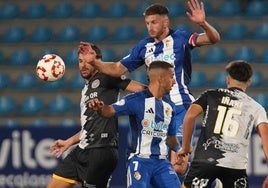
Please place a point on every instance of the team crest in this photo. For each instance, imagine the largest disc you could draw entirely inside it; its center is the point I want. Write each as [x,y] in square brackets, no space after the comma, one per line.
[137,175]
[95,84]
[168,112]
[167,42]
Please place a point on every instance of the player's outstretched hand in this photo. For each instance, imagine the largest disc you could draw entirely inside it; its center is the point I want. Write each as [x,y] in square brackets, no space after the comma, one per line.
[58,147]
[86,49]
[95,104]
[197,14]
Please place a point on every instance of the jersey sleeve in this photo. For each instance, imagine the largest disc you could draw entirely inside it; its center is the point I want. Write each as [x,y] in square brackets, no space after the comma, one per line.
[125,106]
[134,59]
[260,116]
[202,100]
[189,37]
[119,82]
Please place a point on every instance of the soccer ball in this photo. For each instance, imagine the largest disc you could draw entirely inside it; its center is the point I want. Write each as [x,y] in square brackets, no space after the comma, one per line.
[50,68]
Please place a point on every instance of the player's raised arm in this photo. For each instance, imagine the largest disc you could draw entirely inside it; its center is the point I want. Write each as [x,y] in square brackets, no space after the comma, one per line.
[198,16]
[115,69]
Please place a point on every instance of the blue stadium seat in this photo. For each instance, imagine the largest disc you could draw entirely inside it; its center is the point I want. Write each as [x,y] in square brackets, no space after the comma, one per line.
[117,10]
[124,33]
[14,34]
[175,8]
[198,79]
[40,122]
[72,57]
[52,86]
[264,56]
[11,123]
[208,8]
[97,33]
[63,10]
[76,81]
[230,8]
[26,80]
[236,31]
[245,53]
[68,122]
[69,34]
[59,104]
[219,79]
[91,10]
[36,11]
[31,105]
[7,105]
[20,57]
[141,6]
[41,34]
[2,57]
[261,31]
[256,9]
[140,76]
[195,56]
[257,79]
[215,55]
[262,99]
[4,80]
[108,54]
[47,51]
[9,11]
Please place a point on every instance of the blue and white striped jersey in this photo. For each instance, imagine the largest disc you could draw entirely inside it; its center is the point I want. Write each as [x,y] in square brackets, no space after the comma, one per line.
[152,120]
[175,49]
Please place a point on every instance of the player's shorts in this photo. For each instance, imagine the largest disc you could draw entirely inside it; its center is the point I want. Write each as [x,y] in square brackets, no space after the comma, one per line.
[158,172]
[90,167]
[203,175]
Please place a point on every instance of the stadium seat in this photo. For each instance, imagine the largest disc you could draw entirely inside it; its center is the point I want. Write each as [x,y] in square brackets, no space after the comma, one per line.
[26,80]
[195,56]
[219,79]
[7,105]
[31,105]
[97,33]
[262,99]
[229,8]
[59,104]
[198,79]
[36,11]
[69,34]
[256,9]
[264,56]
[52,86]
[208,8]
[11,123]
[4,80]
[47,51]
[90,10]
[63,10]
[76,81]
[236,31]
[215,55]
[1,57]
[175,8]
[124,33]
[140,76]
[244,53]
[261,31]
[40,122]
[72,57]
[140,8]
[41,34]
[108,54]
[14,34]
[257,79]
[184,27]
[117,10]
[68,122]
[20,57]
[9,11]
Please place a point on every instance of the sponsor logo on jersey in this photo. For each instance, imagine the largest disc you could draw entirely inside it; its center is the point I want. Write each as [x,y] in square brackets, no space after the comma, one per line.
[95,83]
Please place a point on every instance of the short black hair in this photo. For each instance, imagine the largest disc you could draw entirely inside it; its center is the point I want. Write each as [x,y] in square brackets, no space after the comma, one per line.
[97,50]
[239,70]
[160,64]
[156,9]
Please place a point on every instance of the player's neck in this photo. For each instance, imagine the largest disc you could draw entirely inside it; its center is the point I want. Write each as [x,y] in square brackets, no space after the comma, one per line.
[156,91]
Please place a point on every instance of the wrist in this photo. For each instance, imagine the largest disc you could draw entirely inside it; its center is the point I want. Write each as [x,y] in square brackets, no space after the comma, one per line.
[177,148]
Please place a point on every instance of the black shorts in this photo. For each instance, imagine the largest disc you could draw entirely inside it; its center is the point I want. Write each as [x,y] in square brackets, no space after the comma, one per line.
[202,175]
[89,167]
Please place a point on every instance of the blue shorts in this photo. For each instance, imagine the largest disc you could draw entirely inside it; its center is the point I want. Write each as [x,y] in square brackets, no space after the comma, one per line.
[143,172]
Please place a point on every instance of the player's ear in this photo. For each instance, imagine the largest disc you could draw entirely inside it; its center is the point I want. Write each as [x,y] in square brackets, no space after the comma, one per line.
[249,82]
